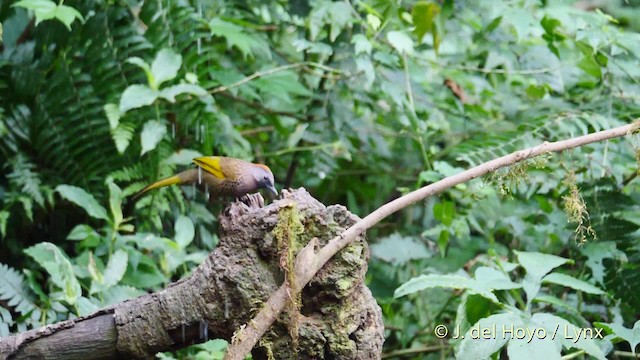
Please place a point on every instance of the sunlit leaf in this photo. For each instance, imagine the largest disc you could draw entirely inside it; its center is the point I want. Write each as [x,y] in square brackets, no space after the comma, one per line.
[152,133]
[136,96]
[401,42]
[165,67]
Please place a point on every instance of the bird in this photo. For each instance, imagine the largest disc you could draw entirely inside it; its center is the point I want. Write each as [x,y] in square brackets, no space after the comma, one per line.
[223,176]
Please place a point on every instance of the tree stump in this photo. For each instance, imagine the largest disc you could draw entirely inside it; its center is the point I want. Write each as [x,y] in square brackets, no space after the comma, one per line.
[335,317]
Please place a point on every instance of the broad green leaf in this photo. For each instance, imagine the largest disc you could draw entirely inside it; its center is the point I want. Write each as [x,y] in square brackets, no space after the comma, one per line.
[86,307]
[171,92]
[295,137]
[67,14]
[170,261]
[422,282]
[449,281]
[340,14]
[136,96]
[401,42]
[590,66]
[475,345]
[336,14]
[165,67]
[185,231]
[444,212]
[596,252]
[361,44]
[530,342]
[116,268]
[537,264]
[83,199]
[632,336]
[43,9]
[151,81]
[569,281]
[282,85]
[145,276]
[397,249]
[81,232]
[568,334]
[56,263]
[115,202]
[152,133]
[237,37]
[47,10]
[424,15]
[492,279]
[365,66]
[374,22]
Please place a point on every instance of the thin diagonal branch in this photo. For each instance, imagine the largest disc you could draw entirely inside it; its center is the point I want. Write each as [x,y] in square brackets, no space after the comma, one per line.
[272,71]
[247,338]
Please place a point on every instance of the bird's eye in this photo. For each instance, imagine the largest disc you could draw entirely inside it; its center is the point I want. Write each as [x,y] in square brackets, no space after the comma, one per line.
[266,177]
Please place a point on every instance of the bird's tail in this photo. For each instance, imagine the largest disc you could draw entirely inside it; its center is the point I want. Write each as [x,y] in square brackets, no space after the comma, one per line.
[172,180]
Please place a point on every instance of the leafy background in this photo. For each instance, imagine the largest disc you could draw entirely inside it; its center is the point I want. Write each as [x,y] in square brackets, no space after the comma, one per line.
[359,102]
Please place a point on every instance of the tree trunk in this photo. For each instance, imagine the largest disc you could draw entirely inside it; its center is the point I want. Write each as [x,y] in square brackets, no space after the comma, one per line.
[336,317]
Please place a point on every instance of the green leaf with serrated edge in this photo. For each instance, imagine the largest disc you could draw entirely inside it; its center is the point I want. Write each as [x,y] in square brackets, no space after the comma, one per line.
[475,346]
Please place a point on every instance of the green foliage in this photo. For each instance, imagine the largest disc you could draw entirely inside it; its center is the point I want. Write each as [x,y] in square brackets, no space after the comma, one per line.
[359,102]
[47,10]
[514,325]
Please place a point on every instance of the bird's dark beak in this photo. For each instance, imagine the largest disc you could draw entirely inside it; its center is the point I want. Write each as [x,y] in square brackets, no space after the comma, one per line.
[272,190]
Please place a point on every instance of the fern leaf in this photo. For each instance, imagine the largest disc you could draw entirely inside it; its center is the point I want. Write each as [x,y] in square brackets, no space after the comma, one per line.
[14,290]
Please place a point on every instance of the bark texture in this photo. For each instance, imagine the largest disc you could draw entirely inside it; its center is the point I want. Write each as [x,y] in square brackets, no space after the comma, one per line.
[335,317]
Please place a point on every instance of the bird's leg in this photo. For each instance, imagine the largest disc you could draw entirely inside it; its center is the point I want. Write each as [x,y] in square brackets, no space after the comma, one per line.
[252,200]
[245,199]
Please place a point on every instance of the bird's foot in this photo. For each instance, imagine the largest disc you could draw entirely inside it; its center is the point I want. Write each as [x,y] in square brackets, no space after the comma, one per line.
[252,200]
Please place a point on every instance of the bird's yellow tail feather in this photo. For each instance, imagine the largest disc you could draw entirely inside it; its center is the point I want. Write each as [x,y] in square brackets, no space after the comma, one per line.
[172,180]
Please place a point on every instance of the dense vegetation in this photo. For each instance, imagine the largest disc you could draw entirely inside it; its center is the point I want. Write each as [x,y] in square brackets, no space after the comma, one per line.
[357,101]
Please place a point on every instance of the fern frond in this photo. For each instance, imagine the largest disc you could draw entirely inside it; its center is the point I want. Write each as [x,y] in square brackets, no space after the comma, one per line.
[128,173]
[489,146]
[24,177]
[15,291]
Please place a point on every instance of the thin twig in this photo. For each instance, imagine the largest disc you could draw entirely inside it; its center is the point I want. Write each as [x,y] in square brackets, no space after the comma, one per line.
[272,71]
[259,129]
[628,354]
[248,337]
[500,71]
[266,110]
